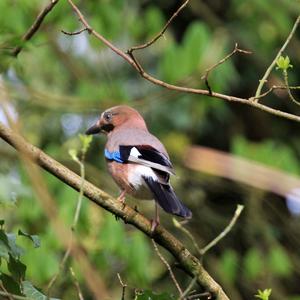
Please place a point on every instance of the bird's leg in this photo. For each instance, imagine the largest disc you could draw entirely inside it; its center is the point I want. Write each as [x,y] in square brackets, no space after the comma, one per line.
[122,197]
[155,222]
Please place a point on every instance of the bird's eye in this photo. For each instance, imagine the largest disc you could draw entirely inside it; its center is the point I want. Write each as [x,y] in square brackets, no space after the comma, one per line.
[108,116]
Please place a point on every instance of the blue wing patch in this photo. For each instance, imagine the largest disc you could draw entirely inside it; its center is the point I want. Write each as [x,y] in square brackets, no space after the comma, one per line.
[116,156]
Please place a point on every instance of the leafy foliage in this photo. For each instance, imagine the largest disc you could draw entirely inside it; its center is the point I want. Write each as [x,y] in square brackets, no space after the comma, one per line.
[12,275]
[264,295]
[283,63]
[59,84]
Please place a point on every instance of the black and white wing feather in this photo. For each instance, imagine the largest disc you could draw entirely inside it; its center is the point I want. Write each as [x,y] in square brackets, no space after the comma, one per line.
[147,156]
[158,179]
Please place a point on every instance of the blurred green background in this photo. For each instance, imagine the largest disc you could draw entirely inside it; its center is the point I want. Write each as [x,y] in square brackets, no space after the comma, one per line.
[59,84]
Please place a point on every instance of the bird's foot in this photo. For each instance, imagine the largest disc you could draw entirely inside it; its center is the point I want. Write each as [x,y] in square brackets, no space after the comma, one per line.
[154,224]
[122,198]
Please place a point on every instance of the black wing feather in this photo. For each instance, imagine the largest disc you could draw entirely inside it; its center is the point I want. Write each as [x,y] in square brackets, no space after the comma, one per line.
[147,153]
[147,156]
[167,199]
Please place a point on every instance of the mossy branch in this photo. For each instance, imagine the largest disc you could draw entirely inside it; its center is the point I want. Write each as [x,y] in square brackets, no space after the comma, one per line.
[189,263]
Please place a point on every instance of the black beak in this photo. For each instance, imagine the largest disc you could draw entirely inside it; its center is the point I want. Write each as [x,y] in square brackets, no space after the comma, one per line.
[93,130]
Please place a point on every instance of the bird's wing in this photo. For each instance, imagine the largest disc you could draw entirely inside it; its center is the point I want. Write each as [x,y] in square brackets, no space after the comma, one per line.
[148,156]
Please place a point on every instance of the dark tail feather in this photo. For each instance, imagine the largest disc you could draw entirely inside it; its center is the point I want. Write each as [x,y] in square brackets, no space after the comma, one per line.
[166,198]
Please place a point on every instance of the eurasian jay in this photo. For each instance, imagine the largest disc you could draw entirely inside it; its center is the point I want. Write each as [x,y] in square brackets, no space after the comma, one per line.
[137,160]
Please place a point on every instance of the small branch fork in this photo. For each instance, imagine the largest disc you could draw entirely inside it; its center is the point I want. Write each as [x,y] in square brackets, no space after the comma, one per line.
[124,286]
[225,231]
[207,71]
[35,26]
[288,88]
[168,267]
[161,33]
[272,65]
[76,32]
[217,239]
[129,58]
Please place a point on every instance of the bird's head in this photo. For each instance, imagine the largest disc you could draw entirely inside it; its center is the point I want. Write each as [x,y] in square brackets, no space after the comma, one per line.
[115,117]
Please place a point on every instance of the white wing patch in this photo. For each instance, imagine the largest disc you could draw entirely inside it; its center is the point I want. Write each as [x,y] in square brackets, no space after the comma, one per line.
[135,152]
[135,176]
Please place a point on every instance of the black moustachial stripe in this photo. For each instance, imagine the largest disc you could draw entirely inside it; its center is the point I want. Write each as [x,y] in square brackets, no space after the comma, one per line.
[107,127]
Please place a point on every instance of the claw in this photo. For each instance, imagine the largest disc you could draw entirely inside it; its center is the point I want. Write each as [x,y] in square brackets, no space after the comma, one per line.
[155,222]
[122,198]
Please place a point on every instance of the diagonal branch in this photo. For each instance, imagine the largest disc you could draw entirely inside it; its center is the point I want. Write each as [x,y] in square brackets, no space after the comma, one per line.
[225,231]
[35,26]
[137,66]
[272,65]
[190,264]
[207,71]
[161,33]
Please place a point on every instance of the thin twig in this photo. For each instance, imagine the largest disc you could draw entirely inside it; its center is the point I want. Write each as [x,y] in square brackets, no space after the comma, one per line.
[275,87]
[207,71]
[76,32]
[177,88]
[187,232]
[61,267]
[201,295]
[225,231]
[161,33]
[76,283]
[270,68]
[188,289]
[35,26]
[124,285]
[168,267]
[74,223]
[13,296]
[286,81]
[7,294]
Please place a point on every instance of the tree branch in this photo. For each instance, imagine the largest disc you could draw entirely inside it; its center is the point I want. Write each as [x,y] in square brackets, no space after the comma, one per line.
[270,68]
[164,261]
[224,59]
[137,66]
[161,33]
[35,26]
[225,231]
[190,264]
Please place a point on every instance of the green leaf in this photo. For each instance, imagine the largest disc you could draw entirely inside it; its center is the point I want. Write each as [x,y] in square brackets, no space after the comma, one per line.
[10,284]
[253,263]
[16,268]
[196,40]
[4,246]
[34,294]
[34,238]
[279,262]
[138,257]
[73,154]
[153,21]
[149,295]
[15,250]
[85,141]
[283,63]
[264,295]
[229,265]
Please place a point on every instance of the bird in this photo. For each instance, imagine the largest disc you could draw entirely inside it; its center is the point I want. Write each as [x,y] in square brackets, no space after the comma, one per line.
[137,160]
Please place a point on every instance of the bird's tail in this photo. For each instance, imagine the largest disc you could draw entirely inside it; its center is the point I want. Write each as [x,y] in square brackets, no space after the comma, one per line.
[167,199]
